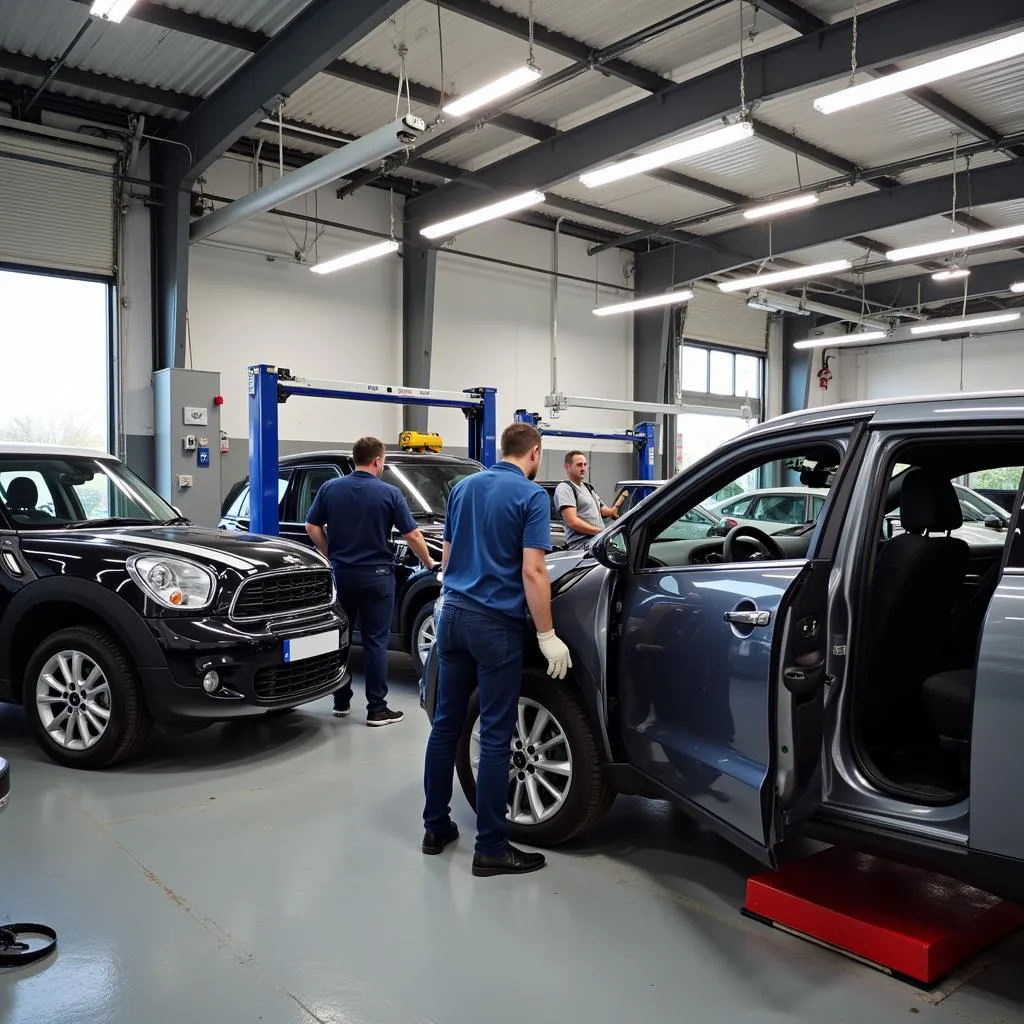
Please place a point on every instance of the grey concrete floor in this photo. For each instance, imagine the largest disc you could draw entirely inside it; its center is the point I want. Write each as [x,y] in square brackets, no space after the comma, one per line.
[271,872]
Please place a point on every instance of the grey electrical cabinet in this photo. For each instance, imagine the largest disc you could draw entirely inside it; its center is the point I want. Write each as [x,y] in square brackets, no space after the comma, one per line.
[187,428]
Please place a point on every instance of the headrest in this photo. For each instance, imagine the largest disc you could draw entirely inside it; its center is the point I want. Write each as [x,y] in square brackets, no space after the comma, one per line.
[22,493]
[928,503]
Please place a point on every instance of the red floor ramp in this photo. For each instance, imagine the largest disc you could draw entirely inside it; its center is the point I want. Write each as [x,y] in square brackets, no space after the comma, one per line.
[912,924]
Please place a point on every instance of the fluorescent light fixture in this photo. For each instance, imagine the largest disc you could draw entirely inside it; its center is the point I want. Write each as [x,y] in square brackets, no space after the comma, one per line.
[843,339]
[932,71]
[650,302]
[770,306]
[782,206]
[512,82]
[111,10]
[351,259]
[955,243]
[951,326]
[1017,286]
[953,274]
[781,276]
[483,214]
[716,139]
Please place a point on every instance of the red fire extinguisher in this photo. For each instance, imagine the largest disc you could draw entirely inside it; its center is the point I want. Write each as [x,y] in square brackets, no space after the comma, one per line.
[824,374]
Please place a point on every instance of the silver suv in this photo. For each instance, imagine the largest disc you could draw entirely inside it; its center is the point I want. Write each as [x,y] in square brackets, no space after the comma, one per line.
[842,681]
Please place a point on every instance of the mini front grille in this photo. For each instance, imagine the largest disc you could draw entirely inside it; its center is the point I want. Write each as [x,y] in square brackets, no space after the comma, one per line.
[296,680]
[285,593]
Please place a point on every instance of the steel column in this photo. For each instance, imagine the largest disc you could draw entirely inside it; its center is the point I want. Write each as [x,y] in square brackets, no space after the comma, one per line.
[263,451]
[419,282]
[170,222]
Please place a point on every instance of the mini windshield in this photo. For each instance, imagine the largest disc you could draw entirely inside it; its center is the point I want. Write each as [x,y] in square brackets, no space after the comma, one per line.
[426,485]
[41,492]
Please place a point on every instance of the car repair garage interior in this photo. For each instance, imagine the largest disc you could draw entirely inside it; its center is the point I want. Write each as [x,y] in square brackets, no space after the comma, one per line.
[755,264]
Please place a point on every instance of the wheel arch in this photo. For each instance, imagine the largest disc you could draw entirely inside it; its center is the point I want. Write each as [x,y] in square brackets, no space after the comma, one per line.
[52,604]
[424,591]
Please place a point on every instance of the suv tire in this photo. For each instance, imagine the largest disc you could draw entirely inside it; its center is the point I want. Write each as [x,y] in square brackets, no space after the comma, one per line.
[102,681]
[422,623]
[587,796]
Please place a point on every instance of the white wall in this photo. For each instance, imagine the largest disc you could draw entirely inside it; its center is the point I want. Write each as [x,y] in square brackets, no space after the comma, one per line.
[992,363]
[491,326]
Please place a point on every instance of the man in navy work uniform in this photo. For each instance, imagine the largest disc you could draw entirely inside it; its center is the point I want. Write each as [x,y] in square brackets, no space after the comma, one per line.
[497,532]
[359,512]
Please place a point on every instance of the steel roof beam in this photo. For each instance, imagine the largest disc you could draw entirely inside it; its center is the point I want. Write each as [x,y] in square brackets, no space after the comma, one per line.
[842,220]
[791,14]
[886,34]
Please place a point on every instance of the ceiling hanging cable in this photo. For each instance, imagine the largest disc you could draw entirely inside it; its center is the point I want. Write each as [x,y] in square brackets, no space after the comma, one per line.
[530,62]
[743,69]
[440,48]
[853,48]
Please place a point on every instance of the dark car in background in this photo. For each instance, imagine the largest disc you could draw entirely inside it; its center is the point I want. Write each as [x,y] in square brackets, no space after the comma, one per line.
[425,478]
[115,613]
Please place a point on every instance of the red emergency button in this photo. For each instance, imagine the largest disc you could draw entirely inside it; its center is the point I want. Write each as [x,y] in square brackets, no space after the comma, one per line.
[218,399]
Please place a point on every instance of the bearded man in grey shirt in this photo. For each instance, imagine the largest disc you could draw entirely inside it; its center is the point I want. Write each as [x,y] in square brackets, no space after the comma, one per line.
[580,505]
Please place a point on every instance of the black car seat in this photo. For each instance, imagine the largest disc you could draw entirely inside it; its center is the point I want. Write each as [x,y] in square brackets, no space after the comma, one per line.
[22,499]
[917,581]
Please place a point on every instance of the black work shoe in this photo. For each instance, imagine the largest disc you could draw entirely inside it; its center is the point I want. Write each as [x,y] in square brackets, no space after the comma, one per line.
[435,842]
[511,862]
[342,712]
[385,717]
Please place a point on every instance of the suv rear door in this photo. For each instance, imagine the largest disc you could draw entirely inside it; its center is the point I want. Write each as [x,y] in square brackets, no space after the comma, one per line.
[705,642]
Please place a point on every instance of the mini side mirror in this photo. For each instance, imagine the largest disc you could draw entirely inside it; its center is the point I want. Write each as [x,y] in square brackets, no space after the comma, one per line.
[995,523]
[611,550]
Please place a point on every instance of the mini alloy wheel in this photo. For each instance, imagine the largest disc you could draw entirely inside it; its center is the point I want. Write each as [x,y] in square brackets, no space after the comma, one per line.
[540,767]
[73,700]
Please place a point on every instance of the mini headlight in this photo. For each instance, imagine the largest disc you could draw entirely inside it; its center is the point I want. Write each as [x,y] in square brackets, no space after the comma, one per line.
[173,582]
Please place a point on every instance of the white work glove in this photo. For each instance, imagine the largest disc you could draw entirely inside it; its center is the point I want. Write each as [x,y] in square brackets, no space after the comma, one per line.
[557,654]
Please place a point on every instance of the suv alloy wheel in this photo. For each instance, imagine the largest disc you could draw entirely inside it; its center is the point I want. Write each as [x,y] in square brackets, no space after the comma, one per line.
[83,699]
[423,636]
[557,788]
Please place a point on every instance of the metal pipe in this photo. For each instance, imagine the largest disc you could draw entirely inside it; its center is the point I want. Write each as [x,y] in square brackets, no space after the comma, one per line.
[56,66]
[370,148]
[554,306]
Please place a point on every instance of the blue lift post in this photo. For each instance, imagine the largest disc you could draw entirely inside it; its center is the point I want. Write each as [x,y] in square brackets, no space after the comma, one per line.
[641,437]
[271,386]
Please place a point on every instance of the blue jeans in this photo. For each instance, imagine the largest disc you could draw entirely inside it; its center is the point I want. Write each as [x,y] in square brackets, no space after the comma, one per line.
[368,595]
[474,651]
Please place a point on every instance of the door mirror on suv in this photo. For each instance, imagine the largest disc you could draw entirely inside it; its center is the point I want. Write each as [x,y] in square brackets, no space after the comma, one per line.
[994,523]
[611,550]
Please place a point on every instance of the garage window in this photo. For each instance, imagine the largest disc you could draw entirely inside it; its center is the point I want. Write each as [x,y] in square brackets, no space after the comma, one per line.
[57,360]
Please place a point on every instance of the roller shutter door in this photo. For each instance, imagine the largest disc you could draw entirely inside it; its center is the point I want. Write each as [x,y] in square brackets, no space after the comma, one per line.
[52,215]
[719,318]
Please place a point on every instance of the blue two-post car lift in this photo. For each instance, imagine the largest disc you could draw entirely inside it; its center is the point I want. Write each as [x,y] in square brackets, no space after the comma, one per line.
[642,438]
[271,386]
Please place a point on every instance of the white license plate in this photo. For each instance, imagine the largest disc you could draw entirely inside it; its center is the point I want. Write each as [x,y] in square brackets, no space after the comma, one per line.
[301,647]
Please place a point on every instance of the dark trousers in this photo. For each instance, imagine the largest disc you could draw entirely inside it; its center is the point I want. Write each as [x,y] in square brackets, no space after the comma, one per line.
[367,596]
[474,650]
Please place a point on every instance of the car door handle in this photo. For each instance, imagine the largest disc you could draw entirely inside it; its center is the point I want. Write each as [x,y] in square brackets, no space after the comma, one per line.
[748,618]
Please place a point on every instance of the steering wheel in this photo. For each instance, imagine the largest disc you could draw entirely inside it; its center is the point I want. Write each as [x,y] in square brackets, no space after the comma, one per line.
[766,545]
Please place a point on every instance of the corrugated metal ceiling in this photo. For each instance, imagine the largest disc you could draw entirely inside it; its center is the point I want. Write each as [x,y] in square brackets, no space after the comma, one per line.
[268,16]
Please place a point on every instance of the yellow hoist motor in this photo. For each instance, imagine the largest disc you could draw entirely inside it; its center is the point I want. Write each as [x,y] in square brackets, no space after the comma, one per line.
[414,441]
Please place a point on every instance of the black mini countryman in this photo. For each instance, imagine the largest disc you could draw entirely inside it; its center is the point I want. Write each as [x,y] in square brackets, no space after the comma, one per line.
[116,613]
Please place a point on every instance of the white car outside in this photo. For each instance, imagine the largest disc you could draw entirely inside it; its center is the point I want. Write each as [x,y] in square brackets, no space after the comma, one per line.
[771,509]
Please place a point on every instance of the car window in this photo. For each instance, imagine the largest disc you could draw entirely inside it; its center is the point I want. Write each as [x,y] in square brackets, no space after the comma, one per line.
[426,485]
[817,504]
[780,508]
[309,480]
[240,507]
[672,542]
[50,491]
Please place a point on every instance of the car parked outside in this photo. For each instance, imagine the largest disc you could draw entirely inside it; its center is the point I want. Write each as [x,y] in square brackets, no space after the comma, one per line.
[115,613]
[831,684]
[770,510]
[425,479]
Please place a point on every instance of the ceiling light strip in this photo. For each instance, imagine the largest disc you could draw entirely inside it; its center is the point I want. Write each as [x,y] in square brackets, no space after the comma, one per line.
[923,74]
[782,276]
[955,243]
[512,82]
[718,139]
[844,339]
[495,211]
[351,259]
[649,302]
[953,274]
[958,326]
[781,206]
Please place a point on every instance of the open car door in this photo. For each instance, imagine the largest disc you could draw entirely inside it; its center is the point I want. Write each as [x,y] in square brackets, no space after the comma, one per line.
[723,649]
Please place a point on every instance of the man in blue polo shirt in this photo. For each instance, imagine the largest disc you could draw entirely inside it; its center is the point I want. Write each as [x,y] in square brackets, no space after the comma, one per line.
[359,512]
[497,532]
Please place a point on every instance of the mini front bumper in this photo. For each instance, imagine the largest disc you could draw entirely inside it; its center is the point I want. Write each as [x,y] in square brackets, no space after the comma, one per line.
[254,677]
